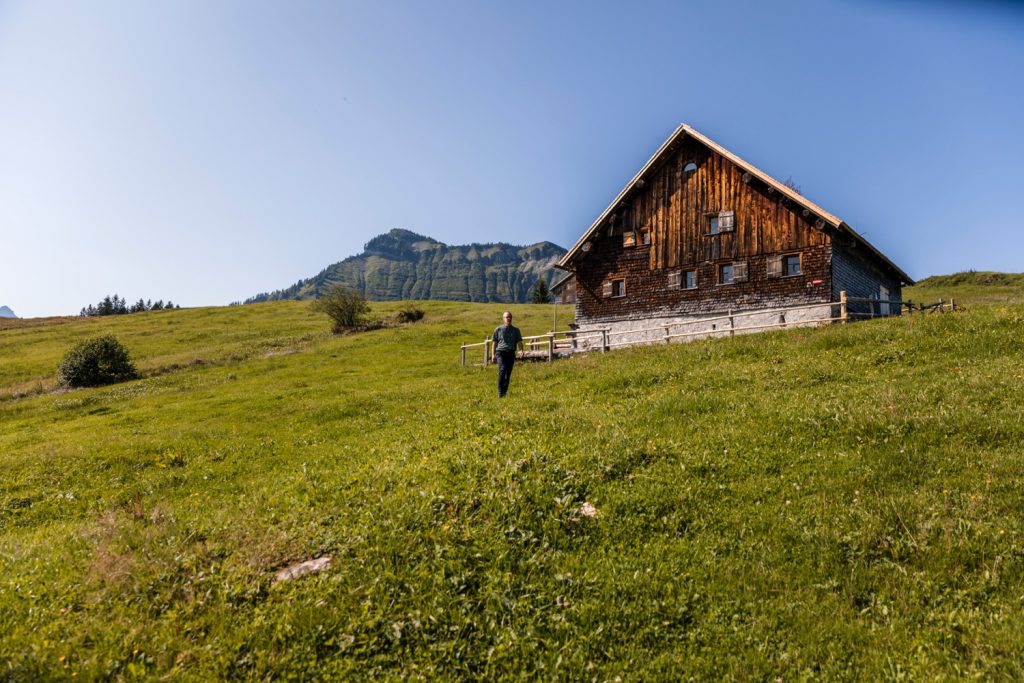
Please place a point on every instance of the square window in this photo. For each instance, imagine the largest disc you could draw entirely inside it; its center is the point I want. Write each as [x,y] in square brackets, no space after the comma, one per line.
[645,237]
[791,264]
[629,239]
[673,280]
[725,274]
[618,288]
[690,279]
[723,221]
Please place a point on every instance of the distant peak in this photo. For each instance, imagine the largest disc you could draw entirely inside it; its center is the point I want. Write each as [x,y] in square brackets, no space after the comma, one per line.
[6,312]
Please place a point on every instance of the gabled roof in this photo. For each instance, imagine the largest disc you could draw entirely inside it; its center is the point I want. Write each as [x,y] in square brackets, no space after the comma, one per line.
[670,144]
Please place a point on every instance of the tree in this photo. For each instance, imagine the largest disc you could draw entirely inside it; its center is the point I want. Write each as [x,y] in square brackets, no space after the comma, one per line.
[541,295]
[346,308]
[101,360]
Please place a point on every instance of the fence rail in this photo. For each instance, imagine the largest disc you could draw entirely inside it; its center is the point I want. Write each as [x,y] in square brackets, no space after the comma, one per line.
[565,342]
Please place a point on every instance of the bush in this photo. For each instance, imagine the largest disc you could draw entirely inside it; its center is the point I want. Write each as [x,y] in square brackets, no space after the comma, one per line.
[346,308]
[409,315]
[101,360]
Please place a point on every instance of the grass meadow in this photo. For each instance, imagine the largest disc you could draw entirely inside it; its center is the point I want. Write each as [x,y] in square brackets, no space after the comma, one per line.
[841,503]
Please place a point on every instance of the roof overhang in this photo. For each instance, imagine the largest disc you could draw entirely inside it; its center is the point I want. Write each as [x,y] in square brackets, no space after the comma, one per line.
[670,145]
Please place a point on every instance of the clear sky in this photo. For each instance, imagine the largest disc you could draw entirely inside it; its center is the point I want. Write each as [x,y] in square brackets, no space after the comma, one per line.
[206,151]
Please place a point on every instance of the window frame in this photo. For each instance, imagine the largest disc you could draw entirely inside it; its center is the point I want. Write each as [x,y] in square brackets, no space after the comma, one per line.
[799,265]
[621,281]
[683,279]
[721,274]
[715,222]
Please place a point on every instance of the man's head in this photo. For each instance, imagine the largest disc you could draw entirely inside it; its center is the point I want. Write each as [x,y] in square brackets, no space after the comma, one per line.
[507,317]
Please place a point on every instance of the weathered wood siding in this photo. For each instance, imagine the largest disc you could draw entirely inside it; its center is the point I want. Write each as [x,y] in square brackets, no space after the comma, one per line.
[675,207]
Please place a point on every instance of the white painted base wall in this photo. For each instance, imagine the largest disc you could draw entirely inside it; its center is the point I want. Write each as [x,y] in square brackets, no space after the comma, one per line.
[635,332]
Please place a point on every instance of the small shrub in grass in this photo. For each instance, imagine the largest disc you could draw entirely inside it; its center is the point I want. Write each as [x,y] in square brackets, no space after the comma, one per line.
[101,360]
[409,315]
[346,308]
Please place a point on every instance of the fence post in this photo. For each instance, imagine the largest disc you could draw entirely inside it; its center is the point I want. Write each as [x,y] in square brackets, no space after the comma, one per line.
[604,341]
[463,355]
[843,313]
[941,309]
[487,352]
[952,304]
[668,340]
[551,347]
[732,324]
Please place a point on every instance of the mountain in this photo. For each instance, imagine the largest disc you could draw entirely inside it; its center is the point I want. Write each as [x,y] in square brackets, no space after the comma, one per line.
[6,312]
[403,265]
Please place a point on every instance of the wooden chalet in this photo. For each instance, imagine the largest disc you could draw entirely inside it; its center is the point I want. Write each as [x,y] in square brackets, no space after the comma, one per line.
[699,232]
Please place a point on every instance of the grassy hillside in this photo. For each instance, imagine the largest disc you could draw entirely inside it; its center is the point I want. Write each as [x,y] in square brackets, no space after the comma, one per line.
[842,503]
[970,288]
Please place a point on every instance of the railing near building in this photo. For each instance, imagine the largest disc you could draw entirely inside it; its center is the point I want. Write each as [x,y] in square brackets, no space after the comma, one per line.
[566,342]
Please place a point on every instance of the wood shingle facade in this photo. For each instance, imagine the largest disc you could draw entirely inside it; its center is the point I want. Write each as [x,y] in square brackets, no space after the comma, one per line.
[699,231]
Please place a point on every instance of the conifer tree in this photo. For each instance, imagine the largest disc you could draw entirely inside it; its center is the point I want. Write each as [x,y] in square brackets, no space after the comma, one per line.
[541,295]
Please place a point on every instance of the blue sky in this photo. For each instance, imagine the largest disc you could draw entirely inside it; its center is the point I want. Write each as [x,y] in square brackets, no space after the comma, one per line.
[204,152]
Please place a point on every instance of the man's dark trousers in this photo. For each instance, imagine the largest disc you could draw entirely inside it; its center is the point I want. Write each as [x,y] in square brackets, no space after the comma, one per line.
[506,359]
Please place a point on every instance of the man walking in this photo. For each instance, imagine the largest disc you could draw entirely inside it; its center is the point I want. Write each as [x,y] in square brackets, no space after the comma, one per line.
[506,338]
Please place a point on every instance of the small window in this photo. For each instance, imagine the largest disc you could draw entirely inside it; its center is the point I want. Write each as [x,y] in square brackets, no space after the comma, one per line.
[723,221]
[774,266]
[690,167]
[618,288]
[674,279]
[629,239]
[731,273]
[690,279]
[645,237]
[791,264]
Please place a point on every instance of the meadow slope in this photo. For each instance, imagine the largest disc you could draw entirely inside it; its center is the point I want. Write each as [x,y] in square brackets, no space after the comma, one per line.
[842,503]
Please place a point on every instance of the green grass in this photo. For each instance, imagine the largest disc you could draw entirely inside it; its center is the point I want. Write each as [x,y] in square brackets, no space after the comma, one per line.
[840,503]
[969,288]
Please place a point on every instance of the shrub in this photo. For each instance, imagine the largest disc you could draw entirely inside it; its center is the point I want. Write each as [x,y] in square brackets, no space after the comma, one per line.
[409,315]
[101,360]
[346,308]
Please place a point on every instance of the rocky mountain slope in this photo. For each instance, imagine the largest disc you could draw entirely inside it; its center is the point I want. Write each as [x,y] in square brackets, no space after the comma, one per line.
[6,312]
[404,265]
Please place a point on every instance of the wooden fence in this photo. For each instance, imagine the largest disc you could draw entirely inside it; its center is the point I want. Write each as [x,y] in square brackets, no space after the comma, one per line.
[566,342]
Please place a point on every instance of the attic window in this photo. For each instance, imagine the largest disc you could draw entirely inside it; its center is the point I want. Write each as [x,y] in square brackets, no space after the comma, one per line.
[723,221]
[645,236]
[689,168]
[629,239]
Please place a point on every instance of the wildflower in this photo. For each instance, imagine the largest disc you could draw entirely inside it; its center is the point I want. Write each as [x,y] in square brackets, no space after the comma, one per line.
[588,510]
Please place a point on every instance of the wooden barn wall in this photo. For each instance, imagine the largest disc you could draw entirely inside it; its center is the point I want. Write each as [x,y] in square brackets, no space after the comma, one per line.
[675,207]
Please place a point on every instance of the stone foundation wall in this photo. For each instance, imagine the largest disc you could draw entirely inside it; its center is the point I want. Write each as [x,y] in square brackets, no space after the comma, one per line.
[634,332]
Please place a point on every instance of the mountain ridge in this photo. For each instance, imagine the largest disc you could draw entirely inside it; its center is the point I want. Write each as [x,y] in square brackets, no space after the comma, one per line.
[401,264]
[6,312]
